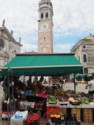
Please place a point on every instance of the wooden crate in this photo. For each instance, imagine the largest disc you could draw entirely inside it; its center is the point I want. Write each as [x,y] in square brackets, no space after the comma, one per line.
[87,115]
[76,112]
[64,110]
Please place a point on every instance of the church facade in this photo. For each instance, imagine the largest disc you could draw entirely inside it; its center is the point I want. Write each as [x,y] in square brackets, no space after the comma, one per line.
[45,27]
[84,51]
[9,47]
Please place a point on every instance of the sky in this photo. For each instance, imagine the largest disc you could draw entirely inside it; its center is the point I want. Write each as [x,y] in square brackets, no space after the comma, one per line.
[73,20]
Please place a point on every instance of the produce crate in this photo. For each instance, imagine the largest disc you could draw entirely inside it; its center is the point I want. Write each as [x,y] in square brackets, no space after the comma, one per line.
[49,110]
[71,119]
[77,113]
[34,119]
[88,115]
[64,110]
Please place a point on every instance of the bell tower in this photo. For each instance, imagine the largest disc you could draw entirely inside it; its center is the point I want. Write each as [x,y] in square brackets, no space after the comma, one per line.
[45,27]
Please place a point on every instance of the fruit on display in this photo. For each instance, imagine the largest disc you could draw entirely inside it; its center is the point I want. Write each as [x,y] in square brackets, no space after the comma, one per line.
[71,99]
[69,95]
[33,117]
[63,99]
[55,116]
[59,93]
[91,103]
[52,100]
[74,101]
[84,100]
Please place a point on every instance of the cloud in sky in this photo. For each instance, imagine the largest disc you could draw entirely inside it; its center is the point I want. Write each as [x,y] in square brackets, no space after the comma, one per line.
[71,18]
[64,47]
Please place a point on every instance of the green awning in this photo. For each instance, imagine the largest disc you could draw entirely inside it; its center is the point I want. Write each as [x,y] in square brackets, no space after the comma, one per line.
[43,64]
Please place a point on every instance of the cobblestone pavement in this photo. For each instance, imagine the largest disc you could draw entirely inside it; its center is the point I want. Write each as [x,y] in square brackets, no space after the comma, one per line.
[6,123]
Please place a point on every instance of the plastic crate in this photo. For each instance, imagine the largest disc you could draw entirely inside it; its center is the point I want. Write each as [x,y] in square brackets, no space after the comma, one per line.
[19,117]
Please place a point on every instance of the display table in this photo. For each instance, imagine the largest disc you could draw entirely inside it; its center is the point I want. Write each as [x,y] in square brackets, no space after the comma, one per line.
[83,112]
[63,104]
[87,106]
[68,105]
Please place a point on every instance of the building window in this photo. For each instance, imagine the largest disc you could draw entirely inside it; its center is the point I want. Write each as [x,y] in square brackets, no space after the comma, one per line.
[41,15]
[1,44]
[46,15]
[86,70]
[84,58]
[84,46]
[51,4]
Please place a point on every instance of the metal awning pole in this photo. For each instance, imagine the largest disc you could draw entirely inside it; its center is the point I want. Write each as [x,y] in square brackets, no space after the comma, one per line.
[8,104]
[74,84]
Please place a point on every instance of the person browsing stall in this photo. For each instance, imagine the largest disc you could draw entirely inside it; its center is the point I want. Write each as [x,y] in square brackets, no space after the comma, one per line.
[90,85]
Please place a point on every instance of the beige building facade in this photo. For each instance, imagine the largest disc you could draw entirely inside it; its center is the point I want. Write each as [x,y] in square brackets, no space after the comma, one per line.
[9,47]
[84,51]
[45,27]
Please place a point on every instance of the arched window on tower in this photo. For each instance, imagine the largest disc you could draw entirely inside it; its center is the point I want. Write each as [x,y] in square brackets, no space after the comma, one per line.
[42,15]
[84,58]
[46,15]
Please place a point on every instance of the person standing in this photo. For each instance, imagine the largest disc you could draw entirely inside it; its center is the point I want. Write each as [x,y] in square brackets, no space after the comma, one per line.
[90,85]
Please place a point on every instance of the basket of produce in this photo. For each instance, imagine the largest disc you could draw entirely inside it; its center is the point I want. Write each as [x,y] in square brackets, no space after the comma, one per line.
[52,100]
[74,101]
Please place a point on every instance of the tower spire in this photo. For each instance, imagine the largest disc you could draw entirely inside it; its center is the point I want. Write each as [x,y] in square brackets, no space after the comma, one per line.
[3,23]
[45,27]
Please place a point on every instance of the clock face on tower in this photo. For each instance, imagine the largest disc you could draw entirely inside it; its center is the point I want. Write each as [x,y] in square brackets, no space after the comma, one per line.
[44,26]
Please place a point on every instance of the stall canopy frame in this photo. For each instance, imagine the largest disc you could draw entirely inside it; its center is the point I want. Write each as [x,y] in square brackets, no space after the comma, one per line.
[43,64]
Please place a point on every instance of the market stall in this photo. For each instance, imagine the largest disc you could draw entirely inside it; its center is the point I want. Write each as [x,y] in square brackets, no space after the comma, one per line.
[40,65]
